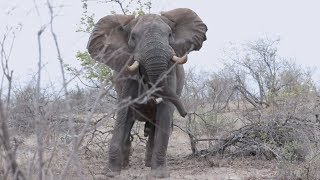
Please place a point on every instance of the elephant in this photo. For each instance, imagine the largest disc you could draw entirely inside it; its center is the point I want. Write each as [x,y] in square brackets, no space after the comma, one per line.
[146,53]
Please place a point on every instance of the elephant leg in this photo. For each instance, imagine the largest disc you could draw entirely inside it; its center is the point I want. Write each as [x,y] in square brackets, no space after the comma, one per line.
[127,146]
[120,134]
[162,132]
[150,144]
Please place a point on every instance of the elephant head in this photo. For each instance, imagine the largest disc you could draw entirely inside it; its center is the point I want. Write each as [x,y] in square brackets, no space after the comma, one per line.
[148,44]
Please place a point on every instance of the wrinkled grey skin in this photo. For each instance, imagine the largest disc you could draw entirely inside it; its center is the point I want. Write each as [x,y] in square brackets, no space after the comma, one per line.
[152,40]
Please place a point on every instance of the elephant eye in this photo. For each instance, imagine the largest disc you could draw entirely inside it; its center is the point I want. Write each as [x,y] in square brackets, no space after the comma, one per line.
[133,36]
[170,34]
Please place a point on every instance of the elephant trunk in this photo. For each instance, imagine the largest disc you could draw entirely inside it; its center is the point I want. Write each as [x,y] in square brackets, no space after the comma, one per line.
[156,63]
[156,60]
[174,99]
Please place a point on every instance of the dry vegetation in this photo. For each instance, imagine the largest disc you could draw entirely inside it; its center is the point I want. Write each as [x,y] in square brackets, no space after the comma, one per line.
[255,118]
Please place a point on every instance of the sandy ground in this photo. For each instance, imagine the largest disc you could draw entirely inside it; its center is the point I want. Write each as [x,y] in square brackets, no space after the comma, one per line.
[182,166]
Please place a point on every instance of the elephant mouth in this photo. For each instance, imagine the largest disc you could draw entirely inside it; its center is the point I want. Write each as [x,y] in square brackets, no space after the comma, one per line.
[175,59]
[166,93]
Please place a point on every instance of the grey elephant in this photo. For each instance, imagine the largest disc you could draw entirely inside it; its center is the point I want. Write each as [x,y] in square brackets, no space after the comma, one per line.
[146,54]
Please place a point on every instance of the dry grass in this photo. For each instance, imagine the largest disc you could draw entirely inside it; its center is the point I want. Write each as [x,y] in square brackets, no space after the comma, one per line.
[181,164]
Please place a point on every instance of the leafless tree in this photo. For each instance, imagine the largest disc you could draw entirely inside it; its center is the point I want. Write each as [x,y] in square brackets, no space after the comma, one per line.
[5,139]
[259,104]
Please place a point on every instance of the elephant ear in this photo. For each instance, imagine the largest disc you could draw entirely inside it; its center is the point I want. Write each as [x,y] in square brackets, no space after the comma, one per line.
[188,30]
[108,41]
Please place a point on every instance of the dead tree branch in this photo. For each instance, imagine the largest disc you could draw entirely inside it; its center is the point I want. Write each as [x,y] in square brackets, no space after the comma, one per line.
[4,112]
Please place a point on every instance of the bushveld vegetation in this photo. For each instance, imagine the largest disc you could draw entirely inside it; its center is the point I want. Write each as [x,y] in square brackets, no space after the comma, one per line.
[257,105]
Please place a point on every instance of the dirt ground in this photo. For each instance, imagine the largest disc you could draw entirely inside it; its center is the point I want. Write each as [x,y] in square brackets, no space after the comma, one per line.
[182,166]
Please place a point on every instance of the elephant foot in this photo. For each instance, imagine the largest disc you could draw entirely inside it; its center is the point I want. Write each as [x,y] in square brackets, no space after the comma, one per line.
[125,161]
[147,128]
[160,172]
[148,158]
[125,164]
[148,162]
[112,174]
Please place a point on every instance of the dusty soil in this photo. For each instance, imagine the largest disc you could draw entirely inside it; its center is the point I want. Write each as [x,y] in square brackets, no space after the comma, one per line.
[180,164]
[183,166]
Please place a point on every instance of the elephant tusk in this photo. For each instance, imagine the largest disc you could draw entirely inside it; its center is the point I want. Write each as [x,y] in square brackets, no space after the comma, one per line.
[181,60]
[134,66]
[159,100]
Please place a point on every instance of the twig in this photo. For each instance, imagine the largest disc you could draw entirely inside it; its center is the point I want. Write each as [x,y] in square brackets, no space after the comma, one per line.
[121,6]
[68,106]
[38,122]
[4,112]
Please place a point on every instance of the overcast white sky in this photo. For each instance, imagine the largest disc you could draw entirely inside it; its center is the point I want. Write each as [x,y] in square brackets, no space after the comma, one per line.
[296,22]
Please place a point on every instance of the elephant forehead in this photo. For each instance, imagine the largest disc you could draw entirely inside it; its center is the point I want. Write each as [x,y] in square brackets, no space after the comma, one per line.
[150,20]
[149,17]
